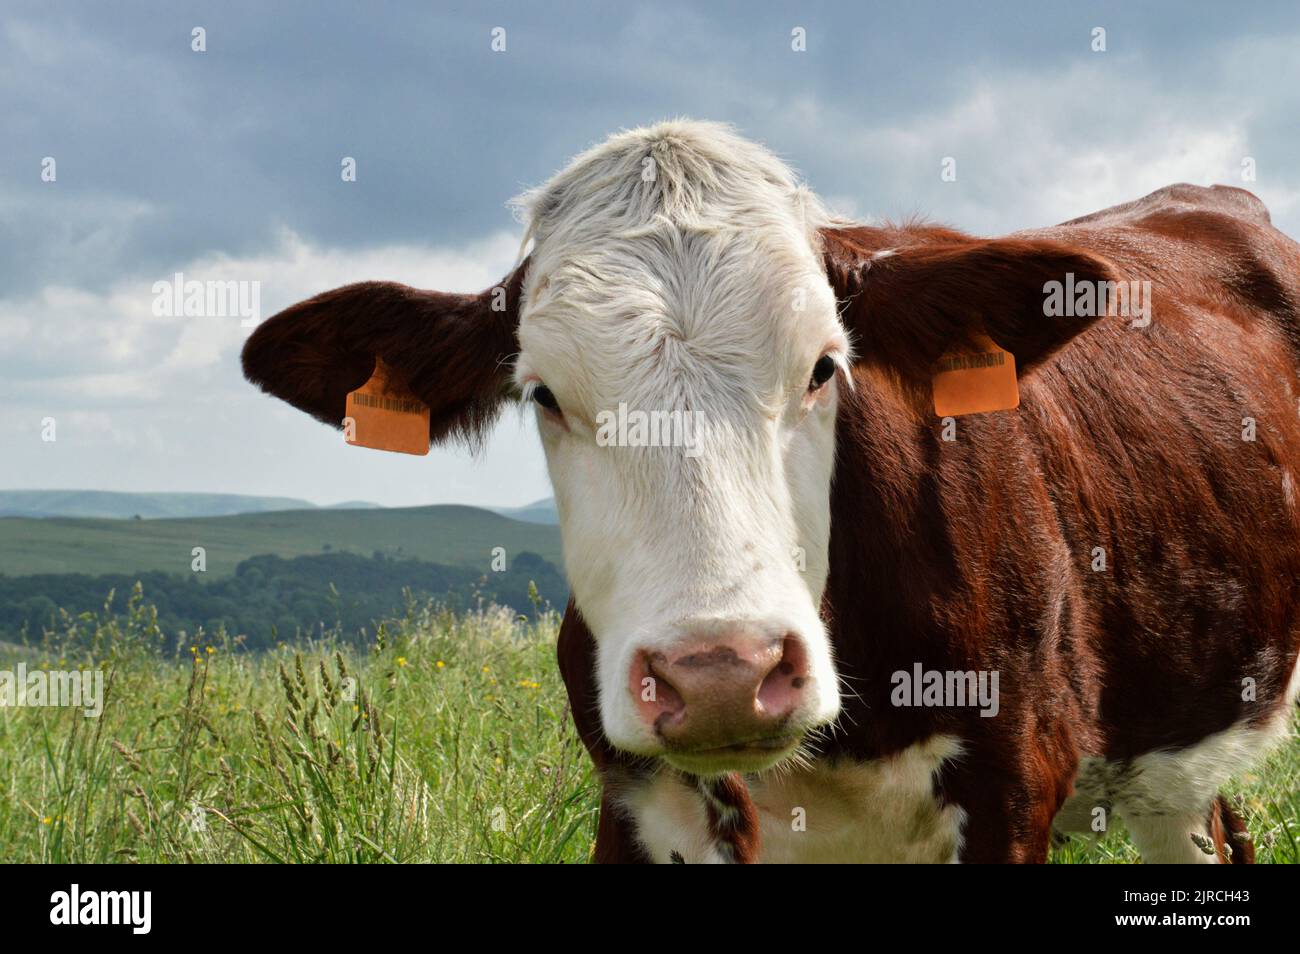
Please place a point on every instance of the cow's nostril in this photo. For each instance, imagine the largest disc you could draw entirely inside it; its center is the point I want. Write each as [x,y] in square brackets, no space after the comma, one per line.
[778,694]
[661,693]
[656,697]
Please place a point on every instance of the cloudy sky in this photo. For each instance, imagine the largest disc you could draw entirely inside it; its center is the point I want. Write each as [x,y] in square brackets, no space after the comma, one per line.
[225,164]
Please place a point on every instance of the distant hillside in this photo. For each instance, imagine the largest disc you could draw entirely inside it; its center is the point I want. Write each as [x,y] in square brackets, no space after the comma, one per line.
[539,511]
[448,535]
[112,504]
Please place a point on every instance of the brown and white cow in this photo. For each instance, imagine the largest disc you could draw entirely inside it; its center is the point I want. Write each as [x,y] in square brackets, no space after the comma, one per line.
[1120,553]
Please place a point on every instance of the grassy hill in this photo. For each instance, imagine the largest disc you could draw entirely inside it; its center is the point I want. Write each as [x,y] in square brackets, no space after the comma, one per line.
[447,534]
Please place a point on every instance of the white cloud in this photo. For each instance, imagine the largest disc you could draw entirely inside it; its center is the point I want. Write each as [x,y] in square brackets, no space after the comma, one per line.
[1034,148]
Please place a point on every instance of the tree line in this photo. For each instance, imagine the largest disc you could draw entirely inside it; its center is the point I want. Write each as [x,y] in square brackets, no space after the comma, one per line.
[273,599]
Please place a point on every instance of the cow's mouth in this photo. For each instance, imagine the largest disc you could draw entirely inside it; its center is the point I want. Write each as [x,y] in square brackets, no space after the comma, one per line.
[753,755]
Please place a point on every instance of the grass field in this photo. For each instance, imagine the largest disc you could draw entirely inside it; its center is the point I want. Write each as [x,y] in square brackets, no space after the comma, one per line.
[448,740]
[451,535]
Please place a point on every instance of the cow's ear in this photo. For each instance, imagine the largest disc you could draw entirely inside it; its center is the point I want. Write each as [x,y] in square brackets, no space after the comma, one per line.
[906,306]
[453,352]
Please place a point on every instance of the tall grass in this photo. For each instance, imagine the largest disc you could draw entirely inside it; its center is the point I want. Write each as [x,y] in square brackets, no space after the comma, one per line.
[446,739]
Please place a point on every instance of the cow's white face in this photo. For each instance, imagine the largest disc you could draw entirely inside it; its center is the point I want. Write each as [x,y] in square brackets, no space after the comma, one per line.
[682,302]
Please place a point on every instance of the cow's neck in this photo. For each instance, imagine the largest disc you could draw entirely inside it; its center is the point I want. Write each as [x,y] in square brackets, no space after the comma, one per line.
[892,562]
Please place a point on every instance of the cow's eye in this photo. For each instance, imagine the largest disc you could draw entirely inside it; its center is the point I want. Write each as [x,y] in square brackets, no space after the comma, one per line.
[543,396]
[821,372]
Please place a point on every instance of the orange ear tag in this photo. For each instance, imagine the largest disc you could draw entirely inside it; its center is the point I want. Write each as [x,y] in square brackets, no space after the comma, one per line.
[973,380]
[387,417]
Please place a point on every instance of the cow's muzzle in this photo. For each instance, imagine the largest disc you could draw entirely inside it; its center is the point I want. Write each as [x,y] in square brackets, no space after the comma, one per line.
[733,702]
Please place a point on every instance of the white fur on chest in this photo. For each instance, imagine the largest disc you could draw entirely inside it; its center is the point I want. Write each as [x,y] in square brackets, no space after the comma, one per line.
[849,812]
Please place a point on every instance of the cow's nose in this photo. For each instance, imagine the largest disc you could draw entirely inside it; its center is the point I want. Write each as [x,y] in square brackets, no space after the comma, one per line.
[733,690]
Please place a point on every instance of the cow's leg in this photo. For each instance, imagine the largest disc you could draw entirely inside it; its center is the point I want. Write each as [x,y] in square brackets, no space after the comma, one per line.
[1215,835]
[995,831]
[1007,818]
[1170,800]
[1172,839]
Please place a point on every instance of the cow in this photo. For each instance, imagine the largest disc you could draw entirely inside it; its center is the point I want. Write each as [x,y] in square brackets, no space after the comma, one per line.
[768,620]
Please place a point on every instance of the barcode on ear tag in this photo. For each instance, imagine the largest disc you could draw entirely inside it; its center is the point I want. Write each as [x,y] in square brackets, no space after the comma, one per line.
[976,379]
[386,416]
